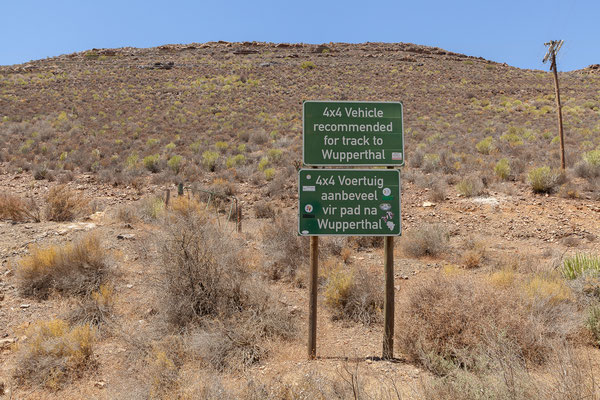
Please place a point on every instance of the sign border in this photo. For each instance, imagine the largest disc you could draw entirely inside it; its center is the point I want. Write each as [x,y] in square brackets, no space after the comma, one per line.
[357,234]
[354,165]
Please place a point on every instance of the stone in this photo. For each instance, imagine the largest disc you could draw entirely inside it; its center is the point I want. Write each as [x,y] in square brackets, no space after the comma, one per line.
[124,236]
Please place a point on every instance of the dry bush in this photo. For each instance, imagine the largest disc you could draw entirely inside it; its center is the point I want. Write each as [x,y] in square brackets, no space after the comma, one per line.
[202,271]
[16,209]
[285,249]
[470,186]
[95,309]
[264,209]
[366,242]
[126,213]
[54,353]
[187,207]
[354,295]
[76,268]
[207,289]
[450,322]
[64,204]
[427,240]
[567,376]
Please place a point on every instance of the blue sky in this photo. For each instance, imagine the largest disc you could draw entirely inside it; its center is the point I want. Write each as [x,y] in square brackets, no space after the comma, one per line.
[510,31]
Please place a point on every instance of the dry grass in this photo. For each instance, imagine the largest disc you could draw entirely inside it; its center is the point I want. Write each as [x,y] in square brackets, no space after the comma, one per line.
[427,240]
[54,353]
[353,295]
[16,209]
[207,290]
[76,268]
[447,321]
[65,204]
[285,250]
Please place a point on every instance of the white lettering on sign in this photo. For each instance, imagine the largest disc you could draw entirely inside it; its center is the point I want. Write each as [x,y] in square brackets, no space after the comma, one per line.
[376,127]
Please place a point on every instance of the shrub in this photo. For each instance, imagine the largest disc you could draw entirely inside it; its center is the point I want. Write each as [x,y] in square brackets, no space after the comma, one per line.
[593,322]
[236,160]
[502,169]
[485,146]
[263,209]
[451,322]
[221,146]
[76,268]
[263,163]
[151,163]
[54,353]
[592,158]
[285,247]
[209,159]
[274,155]
[543,179]
[152,207]
[206,288]
[132,161]
[307,65]
[470,186]
[64,204]
[354,295]
[95,309]
[427,240]
[174,163]
[16,209]
[581,264]
[269,173]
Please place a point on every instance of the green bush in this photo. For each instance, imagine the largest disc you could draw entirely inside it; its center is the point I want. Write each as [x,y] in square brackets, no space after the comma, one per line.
[151,142]
[170,146]
[470,186]
[502,169]
[151,163]
[274,155]
[132,161]
[235,160]
[308,65]
[593,322]
[209,159]
[580,264]
[543,179]
[592,158]
[486,145]
[174,163]
[241,147]
[269,173]
[221,146]
[263,163]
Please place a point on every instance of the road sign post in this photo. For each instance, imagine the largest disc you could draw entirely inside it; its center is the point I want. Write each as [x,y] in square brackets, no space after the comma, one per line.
[351,202]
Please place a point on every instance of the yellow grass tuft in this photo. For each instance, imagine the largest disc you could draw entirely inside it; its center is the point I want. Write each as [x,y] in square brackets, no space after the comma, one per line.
[54,353]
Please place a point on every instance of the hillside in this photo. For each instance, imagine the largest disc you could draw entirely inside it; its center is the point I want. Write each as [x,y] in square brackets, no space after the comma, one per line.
[107,291]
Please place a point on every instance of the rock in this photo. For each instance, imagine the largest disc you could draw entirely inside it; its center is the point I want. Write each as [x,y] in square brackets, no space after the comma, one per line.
[25,306]
[124,236]
[129,286]
[428,204]
[100,384]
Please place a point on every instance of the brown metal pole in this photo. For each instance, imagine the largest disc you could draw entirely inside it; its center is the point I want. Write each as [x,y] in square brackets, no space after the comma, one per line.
[388,322]
[388,333]
[312,305]
[559,113]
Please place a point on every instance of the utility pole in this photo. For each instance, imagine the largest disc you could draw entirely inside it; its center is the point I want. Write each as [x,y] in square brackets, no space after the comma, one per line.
[553,48]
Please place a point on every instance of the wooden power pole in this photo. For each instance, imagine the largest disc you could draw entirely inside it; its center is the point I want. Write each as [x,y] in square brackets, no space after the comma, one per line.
[553,48]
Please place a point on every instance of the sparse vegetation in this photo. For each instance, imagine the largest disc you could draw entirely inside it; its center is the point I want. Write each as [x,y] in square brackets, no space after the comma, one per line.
[428,240]
[54,353]
[64,204]
[76,268]
[543,179]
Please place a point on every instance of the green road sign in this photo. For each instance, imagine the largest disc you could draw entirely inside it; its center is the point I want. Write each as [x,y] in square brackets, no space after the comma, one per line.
[349,202]
[353,133]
